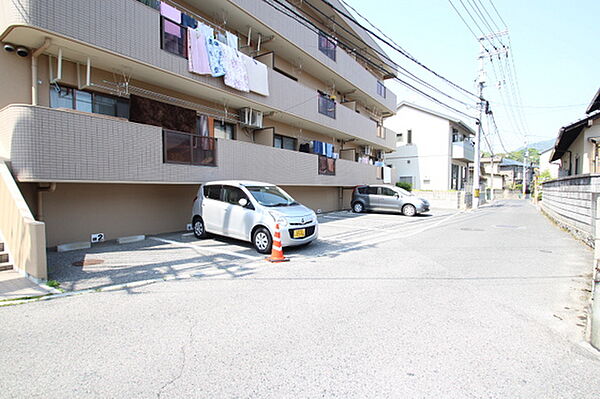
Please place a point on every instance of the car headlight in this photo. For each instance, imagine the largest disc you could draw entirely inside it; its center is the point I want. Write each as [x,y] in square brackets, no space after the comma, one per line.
[279,218]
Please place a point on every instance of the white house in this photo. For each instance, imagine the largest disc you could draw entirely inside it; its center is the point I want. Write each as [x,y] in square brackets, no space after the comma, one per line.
[545,163]
[578,144]
[433,150]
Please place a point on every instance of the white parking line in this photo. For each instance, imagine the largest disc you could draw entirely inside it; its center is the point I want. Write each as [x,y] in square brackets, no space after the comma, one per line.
[201,248]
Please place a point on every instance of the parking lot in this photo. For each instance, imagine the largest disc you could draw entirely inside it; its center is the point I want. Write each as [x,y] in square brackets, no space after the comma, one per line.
[181,255]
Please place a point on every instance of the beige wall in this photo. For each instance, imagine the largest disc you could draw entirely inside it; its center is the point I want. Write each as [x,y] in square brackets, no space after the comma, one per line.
[23,236]
[74,211]
[15,86]
[325,199]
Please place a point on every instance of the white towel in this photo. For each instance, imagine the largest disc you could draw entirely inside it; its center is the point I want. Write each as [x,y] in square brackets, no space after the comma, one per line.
[258,76]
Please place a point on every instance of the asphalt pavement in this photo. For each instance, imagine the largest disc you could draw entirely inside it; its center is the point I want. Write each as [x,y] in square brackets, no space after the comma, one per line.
[483,304]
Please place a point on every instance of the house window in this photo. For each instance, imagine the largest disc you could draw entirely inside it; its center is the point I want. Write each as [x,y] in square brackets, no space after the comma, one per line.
[381,90]
[109,105]
[173,37]
[284,142]
[409,137]
[399,139]
[202,125]
[327,45]
[326,105]
[98,103]
[224,130]
[405,179]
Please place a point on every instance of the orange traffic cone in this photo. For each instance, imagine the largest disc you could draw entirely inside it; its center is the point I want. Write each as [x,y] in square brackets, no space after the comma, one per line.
[276,248]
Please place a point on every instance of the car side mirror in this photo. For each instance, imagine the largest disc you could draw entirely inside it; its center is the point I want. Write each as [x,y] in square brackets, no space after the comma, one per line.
[397,195]
[243,202]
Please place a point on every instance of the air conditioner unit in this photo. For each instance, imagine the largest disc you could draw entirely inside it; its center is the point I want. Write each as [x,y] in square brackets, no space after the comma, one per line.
[251,118]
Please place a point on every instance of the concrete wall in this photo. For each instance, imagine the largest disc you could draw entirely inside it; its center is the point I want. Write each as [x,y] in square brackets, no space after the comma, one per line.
[569,202]
[430,151]
[23,236]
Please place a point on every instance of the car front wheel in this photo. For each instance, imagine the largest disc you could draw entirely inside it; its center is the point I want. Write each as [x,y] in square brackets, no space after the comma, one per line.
[358,207]
[262,240]
[409,210]
[198,226]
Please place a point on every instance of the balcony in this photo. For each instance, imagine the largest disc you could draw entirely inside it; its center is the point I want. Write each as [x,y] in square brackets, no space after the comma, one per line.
[130,39]
[463,151]
[304,41]
[52,145]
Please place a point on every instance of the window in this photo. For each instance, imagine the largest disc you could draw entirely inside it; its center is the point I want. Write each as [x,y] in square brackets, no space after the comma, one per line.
[405,179]
[381,90]
[326,105]
[409,137]
[185,148]
[373,190]
[233,195]
[109,105]
[399,139]
[213,192]
[61,97]
[388,192]
[327,45]
[271,196]
[224,130]
[326,165]
[98,103]
[173,37]
[284,142]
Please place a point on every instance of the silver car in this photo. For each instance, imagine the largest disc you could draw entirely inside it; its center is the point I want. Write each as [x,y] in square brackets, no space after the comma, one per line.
[387,198]
[249,210]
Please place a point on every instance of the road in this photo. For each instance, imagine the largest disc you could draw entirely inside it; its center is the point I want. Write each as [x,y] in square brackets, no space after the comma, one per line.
[482,304]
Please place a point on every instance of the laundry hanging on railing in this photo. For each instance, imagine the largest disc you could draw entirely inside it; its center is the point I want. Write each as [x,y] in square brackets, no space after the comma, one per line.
[170,12]
[197,53]
[258,76]
[236,75]
[188,22]
[215,57]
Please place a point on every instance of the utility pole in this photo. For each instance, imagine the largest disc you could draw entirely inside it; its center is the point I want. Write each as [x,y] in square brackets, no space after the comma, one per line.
[483,53]
[481,104]
[525,170]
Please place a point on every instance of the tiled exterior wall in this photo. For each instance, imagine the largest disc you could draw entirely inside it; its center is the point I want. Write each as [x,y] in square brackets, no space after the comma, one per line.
[131,29]
[55,145]
[569,201]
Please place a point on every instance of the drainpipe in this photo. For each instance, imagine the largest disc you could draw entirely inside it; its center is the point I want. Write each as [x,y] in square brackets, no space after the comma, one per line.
[34,70]
[39,191]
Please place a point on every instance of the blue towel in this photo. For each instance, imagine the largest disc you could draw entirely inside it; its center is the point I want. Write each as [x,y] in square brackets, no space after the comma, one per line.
[329,150]
[188,21]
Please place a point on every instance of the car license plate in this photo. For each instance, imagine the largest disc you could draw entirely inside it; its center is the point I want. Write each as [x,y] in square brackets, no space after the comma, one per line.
[299,233]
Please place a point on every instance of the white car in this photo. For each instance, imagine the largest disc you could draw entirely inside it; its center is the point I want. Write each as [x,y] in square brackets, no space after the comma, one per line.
[248,211]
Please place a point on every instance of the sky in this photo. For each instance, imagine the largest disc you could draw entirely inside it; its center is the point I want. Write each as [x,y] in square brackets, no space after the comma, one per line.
[552,45]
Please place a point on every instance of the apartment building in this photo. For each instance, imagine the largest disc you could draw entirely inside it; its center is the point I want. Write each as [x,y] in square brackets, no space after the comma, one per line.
[432,151]
[113,112]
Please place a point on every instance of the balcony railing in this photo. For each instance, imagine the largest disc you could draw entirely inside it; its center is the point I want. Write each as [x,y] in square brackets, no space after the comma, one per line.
[189,149]
[326,166]
[463,150]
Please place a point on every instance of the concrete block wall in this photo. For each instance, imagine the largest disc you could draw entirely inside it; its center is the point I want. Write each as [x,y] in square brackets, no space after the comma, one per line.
[569,202]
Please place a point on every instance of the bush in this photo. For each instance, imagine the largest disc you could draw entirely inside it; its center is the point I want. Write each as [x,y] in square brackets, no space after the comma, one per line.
[404,185]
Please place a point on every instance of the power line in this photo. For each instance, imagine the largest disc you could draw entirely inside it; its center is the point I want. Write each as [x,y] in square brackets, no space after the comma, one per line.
[304,21]
[402,70]
[396,47]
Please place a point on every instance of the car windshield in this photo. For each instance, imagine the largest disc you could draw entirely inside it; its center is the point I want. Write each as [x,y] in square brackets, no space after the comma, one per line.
[271,196]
